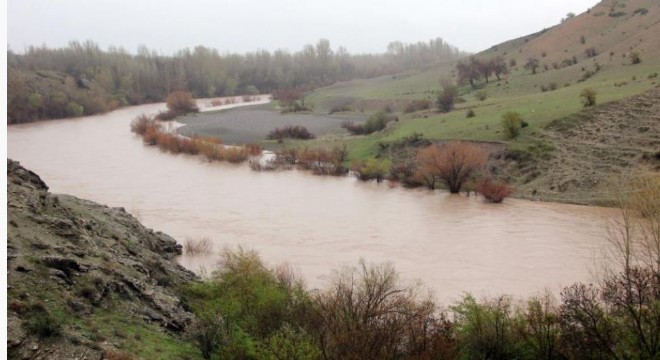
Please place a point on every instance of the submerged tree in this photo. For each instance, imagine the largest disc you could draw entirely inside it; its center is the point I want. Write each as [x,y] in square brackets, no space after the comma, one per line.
[451,163]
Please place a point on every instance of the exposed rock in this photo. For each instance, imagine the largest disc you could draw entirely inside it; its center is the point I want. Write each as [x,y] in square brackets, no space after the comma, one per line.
[69,258]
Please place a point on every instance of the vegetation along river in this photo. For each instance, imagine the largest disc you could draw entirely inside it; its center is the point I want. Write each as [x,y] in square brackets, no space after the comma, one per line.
[453,244]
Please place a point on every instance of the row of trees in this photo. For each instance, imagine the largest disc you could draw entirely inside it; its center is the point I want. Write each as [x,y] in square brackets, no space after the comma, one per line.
[248,310]
[118,77]
[472,70]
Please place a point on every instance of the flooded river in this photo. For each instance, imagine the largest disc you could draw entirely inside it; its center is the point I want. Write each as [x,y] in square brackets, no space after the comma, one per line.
[453,244]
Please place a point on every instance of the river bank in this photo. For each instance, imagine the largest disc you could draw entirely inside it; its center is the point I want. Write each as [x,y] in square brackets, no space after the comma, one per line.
[315,223]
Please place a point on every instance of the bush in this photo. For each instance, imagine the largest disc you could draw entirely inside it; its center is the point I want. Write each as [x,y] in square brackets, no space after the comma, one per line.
[178,103]
[470,113]
[417,105]
[209,332]
[447,97]
[367,314]
[486,330]
[372,169]
[481,95]
[292,132]
[588,97]
[635,58]
[453,164]
[140,124]
[493,191]
[511,124]
[181,102]
[591,52]
[41,322]
[74,110]
[376,122]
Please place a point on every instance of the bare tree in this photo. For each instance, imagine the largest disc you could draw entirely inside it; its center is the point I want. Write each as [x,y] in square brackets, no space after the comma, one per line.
[452,163]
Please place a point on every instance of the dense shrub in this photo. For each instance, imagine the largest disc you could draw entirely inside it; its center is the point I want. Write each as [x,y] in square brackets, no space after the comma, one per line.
[511,124]
[376,122]
[447,97]
[291,132]
[212,149]
[198,246]
[635,58]
[367,314]
[40,322]
[417,105]
[481,95]
[371,169]
[492,190]
[470,113]
[588,97]
[178,103]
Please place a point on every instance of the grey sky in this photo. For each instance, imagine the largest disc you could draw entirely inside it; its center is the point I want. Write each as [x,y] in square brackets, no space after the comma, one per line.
[243,26]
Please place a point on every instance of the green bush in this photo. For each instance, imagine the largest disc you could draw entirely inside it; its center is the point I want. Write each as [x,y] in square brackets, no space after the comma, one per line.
[372,169]
[511,124]
[588,97]
[41,322]
[74,110]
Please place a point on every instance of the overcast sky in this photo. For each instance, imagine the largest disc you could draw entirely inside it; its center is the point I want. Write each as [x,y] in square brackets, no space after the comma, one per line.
[242,26]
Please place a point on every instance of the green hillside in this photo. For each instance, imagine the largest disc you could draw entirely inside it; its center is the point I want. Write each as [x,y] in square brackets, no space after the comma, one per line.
[592,50]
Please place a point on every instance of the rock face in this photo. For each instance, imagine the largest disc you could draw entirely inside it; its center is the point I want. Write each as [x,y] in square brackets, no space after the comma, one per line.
[69,261]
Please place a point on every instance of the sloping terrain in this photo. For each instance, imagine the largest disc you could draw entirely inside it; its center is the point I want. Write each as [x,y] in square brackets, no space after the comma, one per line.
[86,281]
[586,151]
[594,50]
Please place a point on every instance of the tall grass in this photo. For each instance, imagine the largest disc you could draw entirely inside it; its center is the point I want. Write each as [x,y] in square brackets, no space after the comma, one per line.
[201,246]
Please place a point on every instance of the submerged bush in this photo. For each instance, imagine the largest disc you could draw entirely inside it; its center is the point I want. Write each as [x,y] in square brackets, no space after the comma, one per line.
[494,191]
[371,169]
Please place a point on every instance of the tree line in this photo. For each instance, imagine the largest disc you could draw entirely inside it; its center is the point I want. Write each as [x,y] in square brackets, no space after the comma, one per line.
[83,79]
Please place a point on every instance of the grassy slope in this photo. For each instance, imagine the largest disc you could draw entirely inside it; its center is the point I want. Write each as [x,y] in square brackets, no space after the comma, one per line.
[520,91]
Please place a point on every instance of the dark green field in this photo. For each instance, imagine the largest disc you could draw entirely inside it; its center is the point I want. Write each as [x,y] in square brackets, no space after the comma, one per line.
[251,124]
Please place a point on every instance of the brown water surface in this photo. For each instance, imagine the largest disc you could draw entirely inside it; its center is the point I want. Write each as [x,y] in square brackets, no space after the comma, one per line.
[453,244]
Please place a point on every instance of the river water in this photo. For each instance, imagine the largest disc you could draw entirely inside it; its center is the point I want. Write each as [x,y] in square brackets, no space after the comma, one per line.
[453,244]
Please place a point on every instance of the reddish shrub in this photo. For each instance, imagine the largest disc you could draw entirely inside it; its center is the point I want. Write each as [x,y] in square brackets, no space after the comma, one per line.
[493,191]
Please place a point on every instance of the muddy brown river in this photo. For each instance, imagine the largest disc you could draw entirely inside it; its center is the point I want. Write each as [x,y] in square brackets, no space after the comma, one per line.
[453,244]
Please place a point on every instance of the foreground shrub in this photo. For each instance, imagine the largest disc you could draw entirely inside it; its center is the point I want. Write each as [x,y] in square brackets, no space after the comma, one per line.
[485,330]
[493,191]
[40,322]
[209,332]
[367,314]
[291,132]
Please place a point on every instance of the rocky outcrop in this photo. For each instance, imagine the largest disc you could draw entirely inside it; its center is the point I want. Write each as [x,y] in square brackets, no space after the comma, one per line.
[71,261]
